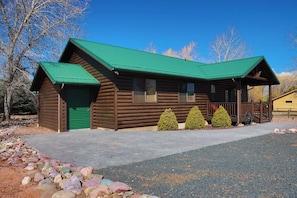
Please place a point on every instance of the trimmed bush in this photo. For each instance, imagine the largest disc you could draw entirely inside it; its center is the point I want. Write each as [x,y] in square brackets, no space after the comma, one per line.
[167,121]
[195,119]
[221,118]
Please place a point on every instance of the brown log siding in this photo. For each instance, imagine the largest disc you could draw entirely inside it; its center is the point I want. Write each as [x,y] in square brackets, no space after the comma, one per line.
[132,114]
[103,111]
[48,105]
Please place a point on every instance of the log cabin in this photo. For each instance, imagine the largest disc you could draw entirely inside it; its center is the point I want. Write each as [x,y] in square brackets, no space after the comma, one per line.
[95,85]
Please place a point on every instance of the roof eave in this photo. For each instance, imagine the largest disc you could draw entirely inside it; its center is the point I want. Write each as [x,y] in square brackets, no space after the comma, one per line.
[75,83]
[276,80]
[285,94]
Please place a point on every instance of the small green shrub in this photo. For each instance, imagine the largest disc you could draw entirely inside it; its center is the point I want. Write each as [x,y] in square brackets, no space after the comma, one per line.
[195,119]
[167,121]
[221,118]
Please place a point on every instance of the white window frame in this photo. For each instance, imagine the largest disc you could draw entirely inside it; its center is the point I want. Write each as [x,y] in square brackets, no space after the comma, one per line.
[145,90]
[187,92]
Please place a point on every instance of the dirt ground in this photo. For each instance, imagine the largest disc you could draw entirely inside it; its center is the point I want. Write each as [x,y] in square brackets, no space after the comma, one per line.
[11,177]
[284,119]
[10,182]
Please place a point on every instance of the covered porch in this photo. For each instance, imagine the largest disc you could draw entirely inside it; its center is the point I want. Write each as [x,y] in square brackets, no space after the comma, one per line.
[233,93]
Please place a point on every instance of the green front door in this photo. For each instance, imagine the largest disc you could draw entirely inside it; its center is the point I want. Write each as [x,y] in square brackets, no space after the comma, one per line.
[78,108]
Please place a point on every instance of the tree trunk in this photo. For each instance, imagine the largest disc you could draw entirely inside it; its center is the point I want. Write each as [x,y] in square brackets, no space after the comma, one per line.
[7,103]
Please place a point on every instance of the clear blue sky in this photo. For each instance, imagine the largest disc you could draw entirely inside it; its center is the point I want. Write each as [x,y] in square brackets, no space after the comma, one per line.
[264,24]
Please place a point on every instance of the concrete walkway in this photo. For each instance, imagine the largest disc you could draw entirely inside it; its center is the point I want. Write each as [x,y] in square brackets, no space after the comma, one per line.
[101,149]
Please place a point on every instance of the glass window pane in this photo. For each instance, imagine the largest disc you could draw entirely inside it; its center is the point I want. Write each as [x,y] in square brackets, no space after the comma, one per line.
[191,92]
[138,84]
[183,88]
[191,98]
[150,88]
[182,97]
[138,89]
[191,88]
[182,92]
[139,96]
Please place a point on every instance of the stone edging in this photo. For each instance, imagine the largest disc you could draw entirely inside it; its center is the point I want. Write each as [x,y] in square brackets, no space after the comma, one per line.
[58,179]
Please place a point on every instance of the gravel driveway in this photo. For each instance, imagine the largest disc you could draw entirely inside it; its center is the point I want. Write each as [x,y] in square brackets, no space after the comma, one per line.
[264,166]
[185,163]
[101,149]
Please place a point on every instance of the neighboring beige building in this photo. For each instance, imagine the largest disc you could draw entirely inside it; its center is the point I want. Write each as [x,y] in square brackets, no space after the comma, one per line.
[286,102]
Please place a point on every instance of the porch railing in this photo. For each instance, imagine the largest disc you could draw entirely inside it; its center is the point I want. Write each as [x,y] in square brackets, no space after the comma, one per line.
[230,107]
[257,112]
[261,112]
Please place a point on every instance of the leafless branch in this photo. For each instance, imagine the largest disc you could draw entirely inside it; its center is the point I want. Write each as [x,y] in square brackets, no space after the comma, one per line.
[228,46]
[33,30]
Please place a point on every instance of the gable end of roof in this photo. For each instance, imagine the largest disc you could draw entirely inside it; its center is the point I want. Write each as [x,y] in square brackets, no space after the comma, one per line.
[285,94]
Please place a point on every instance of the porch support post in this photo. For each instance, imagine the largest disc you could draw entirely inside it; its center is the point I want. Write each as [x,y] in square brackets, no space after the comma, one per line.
[270,103]
[238,101]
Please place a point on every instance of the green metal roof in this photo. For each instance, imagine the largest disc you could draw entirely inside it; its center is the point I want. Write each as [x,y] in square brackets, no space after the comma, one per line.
[230,69]
[65,73]
[119,58]
[124,59]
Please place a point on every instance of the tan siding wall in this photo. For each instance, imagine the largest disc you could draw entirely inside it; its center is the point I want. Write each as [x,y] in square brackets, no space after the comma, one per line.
[48,105]
[132,114]
[103,109]
[281,105]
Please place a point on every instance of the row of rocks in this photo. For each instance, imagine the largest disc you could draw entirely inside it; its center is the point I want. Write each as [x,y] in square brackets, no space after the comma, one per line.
[59,179]
[285,131]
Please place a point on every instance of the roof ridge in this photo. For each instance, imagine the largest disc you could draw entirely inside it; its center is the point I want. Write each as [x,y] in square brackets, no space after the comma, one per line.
[137,50]
[239,59]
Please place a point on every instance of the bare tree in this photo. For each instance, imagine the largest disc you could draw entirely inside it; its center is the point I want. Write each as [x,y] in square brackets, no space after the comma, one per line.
[187,52]
[151,48]
[32,30]
[288,82]
[293,43]
[228,46]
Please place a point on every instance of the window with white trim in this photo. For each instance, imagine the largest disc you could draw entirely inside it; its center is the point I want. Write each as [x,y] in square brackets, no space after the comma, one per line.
[144,90]
[187,92]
